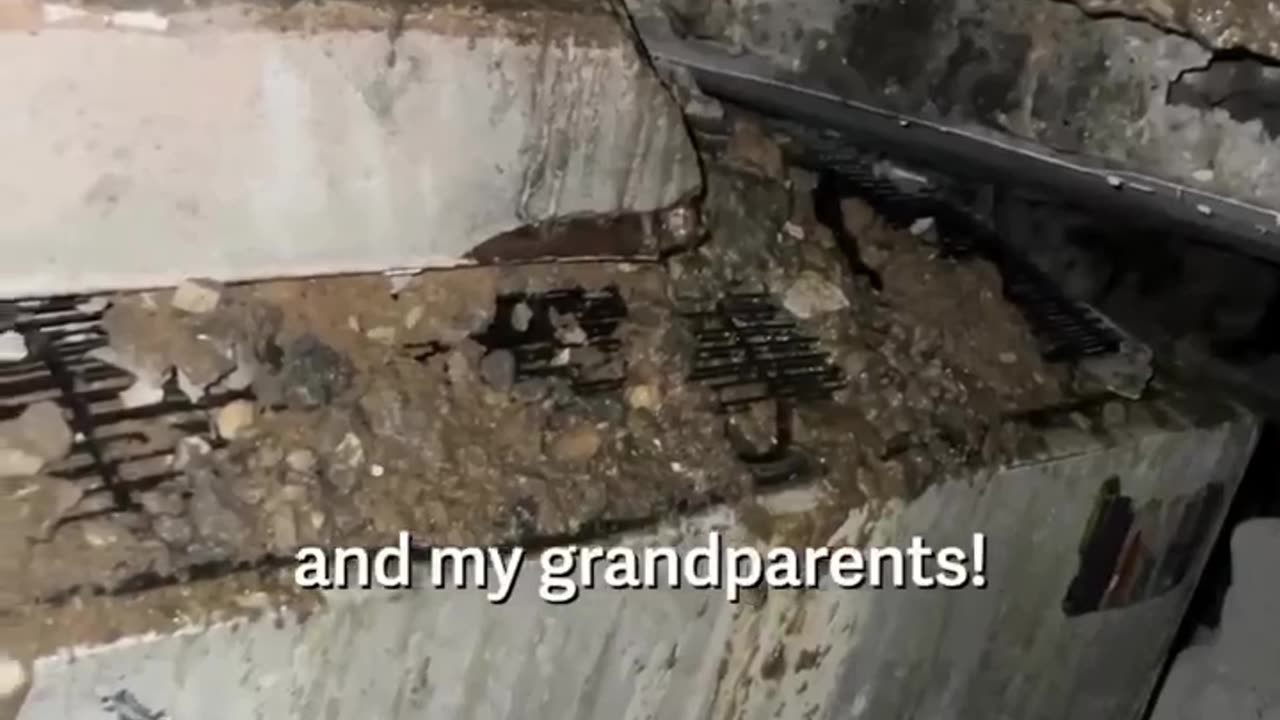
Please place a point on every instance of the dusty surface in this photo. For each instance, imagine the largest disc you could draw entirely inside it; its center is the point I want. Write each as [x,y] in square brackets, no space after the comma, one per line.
[376,408]
[1252,25]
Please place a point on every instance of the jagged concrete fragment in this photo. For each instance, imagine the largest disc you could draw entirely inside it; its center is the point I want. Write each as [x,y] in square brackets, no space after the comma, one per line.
[241,141]
[1220,24]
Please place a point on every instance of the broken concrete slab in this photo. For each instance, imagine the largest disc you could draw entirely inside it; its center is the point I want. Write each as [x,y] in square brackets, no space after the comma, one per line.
[245,141]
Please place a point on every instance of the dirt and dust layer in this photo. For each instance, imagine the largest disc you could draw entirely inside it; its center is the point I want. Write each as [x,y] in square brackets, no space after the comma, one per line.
[344,410]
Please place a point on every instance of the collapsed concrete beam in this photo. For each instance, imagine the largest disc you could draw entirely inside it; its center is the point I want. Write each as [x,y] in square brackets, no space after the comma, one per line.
[243,141]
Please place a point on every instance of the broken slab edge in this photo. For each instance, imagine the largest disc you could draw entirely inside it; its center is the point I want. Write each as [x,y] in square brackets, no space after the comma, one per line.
[326,151]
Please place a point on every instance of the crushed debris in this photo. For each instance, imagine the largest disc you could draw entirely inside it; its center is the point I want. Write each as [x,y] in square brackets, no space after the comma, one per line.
[505,404]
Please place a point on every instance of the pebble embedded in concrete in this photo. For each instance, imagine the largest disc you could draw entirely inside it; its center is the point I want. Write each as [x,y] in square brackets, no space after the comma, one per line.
[236,418]
[577,444]
[643,397]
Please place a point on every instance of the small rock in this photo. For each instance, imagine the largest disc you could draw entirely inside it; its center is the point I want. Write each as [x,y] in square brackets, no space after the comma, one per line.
[142,393]
[377,470]
[301,460]
[314,374]
[46,430]
[198,296]
[922,227]
[577,444]
[349,452]
[498,369]
[1203,175]
[643,397]
[811,295]
[413,317]
[521,316]
[235,418]
[1007,358]
[13,347]
[384,334]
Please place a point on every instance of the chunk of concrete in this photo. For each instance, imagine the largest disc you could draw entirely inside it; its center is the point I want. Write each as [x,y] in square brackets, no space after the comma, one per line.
[249,141]
[13,347]
[235,418]
[37,437]
[198,297]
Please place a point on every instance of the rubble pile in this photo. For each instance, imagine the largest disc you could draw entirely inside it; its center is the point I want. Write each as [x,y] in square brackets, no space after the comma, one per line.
[344,410]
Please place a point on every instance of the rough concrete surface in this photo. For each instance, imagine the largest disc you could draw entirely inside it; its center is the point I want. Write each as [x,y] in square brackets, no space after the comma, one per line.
[687,653]
[242,142]
[1252,25]
[1022,70]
